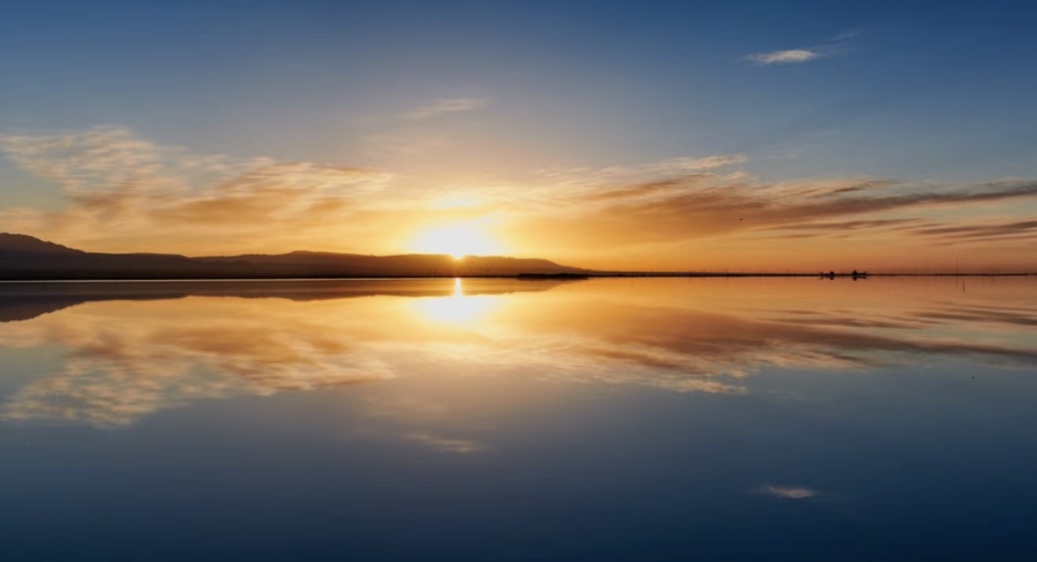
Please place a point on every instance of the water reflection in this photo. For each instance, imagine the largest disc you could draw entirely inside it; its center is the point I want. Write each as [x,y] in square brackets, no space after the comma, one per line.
[132,350]
[458,308]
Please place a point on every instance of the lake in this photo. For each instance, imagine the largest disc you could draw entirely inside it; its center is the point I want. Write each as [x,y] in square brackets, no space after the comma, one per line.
[497,420]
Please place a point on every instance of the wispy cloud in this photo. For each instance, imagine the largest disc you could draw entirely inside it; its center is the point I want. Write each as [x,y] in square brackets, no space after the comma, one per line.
[830,47]
[1004,230]
[608,177]
[444,106]
[122,187]
[690,206]
[125,193]
[841,229]
[109,156]
[790,56]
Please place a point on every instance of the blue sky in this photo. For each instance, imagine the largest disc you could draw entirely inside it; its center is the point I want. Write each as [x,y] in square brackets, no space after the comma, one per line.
[449,92]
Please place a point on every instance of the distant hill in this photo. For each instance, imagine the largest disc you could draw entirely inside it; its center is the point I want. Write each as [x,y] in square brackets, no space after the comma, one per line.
[26,258]
[25,243]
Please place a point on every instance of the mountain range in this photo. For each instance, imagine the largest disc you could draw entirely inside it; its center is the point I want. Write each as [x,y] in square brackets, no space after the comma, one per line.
[24,257]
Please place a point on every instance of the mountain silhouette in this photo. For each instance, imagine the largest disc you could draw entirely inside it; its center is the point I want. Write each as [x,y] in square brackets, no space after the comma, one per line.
[26,243]
[26,258]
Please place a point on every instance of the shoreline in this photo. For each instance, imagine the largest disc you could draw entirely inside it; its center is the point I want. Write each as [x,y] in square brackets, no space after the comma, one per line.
[520,276]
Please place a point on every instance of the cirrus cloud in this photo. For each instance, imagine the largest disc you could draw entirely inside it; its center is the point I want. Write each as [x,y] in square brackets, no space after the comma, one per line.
[790,56]
[831,46]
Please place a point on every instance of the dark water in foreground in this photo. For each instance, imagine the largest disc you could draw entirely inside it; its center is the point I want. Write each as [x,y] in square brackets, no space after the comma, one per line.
[486,420]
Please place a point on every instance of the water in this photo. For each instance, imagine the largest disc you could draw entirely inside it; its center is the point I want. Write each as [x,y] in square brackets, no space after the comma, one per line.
[621,419]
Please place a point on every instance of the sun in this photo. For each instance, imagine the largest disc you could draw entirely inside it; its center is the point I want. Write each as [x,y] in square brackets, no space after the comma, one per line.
[457,240]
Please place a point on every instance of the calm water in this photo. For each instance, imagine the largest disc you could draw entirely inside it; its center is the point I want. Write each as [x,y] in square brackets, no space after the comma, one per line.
[486,420]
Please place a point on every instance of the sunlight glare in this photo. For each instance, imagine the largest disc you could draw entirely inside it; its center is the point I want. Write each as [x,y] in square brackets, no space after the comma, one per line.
[457,240]
[457,308]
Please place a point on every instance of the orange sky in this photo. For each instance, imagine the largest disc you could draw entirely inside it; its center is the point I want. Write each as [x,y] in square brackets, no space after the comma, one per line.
[123,193]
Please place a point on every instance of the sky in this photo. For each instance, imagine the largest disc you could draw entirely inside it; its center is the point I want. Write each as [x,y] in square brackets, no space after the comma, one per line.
[709,135]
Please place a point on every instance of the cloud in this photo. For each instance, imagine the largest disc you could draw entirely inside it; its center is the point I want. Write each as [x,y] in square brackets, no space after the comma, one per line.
[840,229]
[277,191]
[787,492]
[833,46]
[1006,230]
[608,177]
[124,193]
[127,189]
[445,106]
[790,56]
[709,204]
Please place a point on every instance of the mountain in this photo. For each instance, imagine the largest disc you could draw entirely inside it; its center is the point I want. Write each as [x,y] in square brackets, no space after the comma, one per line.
[25,243]
[26,258]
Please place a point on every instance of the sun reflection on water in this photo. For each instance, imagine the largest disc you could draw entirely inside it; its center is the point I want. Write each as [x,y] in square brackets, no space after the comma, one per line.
[456,309]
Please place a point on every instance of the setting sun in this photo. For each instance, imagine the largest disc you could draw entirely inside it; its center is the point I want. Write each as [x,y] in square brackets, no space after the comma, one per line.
[457,240]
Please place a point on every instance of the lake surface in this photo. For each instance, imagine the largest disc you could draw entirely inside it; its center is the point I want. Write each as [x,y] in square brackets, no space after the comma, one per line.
[495,420]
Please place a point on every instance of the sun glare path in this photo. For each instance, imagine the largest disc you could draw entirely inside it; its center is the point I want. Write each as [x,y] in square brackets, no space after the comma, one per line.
[456,309]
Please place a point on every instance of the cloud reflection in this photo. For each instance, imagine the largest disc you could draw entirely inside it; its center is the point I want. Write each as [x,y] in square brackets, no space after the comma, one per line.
[134,359]
[447,444]
[124,359]
[787,492]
